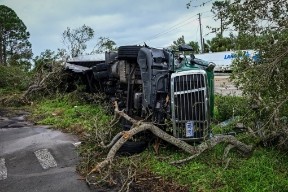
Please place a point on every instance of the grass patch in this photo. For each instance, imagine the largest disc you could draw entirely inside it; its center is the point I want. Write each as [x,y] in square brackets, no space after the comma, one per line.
[229,106]
[69,115]
[265,170]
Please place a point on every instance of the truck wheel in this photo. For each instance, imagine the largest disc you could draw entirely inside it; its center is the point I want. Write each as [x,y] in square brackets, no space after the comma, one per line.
[133,147]
[128,52]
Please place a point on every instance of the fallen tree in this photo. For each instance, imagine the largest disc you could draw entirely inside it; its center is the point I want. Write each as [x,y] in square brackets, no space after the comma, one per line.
[139,126]
[48,77]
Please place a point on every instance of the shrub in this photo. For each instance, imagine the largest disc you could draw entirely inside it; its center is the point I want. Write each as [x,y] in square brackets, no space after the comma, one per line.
[13,77]
[229,106]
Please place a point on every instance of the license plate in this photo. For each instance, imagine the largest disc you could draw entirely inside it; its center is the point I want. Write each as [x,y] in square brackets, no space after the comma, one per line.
[190,129]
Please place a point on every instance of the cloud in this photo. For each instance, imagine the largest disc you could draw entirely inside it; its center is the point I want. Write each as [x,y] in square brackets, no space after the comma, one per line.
[125,21]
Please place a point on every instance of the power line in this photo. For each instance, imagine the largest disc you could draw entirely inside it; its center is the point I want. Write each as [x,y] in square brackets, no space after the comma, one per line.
[173,28]
[165,32]
[170,28]
[208,16]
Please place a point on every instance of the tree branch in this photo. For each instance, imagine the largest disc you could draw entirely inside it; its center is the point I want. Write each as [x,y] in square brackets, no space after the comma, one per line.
[193,150]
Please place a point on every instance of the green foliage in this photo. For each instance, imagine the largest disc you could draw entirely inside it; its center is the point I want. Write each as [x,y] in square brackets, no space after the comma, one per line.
[15,48]
[49,76]
[104,44]
[206,47]
[261,172]
[45,58]
[69,114]
[243,41]
[263,81]
[195,46]
[220,43]
[260,26]
[13,78]
[181,41]
[229,106]
[75,39]
[220,11]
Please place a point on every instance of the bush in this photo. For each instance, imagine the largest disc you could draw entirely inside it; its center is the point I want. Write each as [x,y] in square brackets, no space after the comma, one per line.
[13,77]
[229,106]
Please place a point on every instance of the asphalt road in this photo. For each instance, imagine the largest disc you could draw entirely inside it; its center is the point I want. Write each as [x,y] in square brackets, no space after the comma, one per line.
[34,158]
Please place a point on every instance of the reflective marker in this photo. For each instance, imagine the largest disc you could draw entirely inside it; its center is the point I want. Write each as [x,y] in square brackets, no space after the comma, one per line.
[45,158]
[3,169]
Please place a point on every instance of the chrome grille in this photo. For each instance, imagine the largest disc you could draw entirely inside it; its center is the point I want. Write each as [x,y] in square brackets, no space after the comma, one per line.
[190,103]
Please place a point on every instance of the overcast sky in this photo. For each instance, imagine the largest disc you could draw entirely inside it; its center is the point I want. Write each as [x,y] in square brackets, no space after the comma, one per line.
[127,22]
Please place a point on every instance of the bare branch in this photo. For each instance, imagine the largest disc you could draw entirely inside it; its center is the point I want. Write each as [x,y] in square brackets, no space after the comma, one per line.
[193,150]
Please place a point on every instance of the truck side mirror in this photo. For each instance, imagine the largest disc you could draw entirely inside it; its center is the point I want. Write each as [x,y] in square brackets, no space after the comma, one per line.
[211,66]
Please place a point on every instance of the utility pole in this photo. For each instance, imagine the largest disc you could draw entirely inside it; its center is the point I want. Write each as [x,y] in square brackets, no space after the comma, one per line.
[201,39]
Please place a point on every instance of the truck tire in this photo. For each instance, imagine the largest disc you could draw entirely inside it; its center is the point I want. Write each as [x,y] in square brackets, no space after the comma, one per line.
[133,147]
[128,52]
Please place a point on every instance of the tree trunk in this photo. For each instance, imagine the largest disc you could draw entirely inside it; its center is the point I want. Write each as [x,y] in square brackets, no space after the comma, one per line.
[1,48]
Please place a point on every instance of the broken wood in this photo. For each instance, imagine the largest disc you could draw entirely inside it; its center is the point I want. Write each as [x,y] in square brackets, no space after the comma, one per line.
[139,126]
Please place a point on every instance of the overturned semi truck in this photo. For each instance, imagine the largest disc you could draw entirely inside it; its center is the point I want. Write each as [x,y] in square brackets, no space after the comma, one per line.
[159,85]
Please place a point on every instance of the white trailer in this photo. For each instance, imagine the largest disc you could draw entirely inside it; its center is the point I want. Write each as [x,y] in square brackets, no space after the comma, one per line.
[223,60]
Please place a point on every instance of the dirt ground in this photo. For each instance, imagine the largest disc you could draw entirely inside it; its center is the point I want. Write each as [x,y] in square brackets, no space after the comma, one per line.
[224,87]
